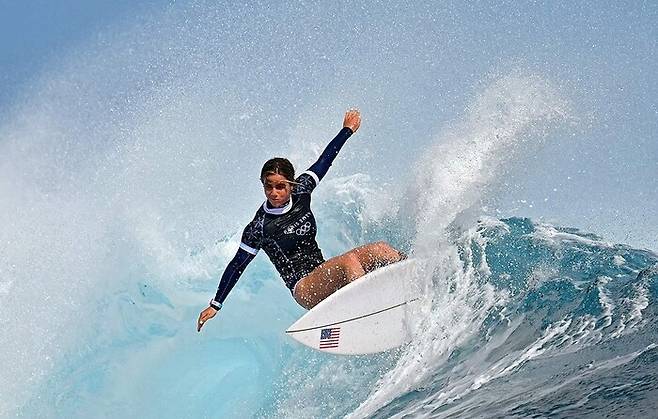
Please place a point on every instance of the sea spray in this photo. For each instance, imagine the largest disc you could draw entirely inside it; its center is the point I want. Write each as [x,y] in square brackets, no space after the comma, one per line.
[504,122]
[507,121]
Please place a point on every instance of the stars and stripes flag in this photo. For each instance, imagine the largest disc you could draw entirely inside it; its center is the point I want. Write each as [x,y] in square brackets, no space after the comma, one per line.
[329,337]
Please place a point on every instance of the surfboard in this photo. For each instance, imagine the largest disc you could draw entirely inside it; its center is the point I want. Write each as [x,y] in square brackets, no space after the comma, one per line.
[366,316]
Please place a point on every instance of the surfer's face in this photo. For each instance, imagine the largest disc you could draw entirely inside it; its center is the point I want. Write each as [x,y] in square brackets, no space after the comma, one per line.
[277,190]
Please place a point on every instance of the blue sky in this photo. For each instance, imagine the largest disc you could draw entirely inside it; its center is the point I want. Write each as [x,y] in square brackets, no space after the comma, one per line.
[413,66]
[34,32]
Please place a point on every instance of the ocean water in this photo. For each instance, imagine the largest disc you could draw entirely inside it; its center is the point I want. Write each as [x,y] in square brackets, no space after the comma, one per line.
[129,167]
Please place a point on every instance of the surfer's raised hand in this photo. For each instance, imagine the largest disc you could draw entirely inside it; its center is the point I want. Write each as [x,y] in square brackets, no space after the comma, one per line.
[352,120]
[205,315]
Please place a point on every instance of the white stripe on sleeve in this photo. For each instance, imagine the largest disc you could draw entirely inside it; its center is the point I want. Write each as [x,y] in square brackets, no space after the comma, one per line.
[314,176]
[248,249]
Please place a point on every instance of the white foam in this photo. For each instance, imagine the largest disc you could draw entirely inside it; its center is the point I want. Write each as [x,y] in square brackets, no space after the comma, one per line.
[618,260]
[458,306]
[632,319]
[604,299]
[550,234]
[640,303]
[503,123]
[452,177]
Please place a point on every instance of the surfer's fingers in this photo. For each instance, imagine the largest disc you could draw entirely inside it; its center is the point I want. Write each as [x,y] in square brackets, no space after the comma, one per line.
[201,321]
[206,315]
[200,325]
[352,119]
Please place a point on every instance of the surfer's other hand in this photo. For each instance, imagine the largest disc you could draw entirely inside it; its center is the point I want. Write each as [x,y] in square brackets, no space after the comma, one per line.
[205,315]
[352,120]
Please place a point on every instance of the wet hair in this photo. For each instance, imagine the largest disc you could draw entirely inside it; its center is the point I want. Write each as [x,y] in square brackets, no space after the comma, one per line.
[278,166]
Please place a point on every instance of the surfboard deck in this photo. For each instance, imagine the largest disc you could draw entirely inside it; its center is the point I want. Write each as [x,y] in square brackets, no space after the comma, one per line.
[366,316]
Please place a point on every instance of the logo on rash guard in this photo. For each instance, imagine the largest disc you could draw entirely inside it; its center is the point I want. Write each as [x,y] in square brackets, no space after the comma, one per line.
[301,226]
[303,230]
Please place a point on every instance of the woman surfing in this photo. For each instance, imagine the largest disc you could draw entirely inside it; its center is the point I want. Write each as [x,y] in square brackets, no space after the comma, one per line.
[284,227]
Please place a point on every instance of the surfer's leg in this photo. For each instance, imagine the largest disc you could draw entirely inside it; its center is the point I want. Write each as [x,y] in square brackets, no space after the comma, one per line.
[375,255]
[339,271]
[327,279]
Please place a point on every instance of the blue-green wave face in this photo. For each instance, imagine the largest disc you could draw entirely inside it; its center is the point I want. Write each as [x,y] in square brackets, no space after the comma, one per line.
[129,165]
[529,319]
[520,318]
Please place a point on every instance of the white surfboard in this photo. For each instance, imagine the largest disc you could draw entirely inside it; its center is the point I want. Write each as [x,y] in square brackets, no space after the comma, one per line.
[366,316]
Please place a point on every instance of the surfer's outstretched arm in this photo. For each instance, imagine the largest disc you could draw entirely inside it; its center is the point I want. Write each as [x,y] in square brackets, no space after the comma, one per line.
[230,277]
[249,246]
[351,123]
[232,273]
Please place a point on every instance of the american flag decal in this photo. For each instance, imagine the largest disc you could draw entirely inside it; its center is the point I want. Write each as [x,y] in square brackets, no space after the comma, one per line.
[329,338]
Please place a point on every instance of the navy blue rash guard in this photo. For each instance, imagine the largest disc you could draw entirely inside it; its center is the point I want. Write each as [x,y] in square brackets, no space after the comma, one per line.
[286,234]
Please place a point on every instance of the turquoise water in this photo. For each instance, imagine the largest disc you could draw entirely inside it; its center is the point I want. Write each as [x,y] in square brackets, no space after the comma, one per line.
[521,319]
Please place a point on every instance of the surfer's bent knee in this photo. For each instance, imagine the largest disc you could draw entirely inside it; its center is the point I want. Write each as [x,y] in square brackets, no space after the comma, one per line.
[300,293]
[300,289]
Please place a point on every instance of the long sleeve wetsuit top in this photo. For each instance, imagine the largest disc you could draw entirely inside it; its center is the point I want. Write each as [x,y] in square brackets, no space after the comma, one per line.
[286,234]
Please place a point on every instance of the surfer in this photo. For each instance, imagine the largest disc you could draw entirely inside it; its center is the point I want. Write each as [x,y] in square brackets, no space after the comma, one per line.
[284,227]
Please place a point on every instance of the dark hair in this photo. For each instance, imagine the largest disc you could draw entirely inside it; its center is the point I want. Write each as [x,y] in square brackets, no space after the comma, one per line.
[278,166]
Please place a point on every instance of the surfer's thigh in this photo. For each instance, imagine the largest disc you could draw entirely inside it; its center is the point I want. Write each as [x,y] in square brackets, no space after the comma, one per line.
[375,255]
[326,279]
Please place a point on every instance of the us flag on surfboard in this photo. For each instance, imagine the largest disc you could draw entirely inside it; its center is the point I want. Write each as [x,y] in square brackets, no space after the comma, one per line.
[329,337]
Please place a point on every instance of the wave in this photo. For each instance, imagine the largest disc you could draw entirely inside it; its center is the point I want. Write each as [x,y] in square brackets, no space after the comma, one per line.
[530,320]
[110,246]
